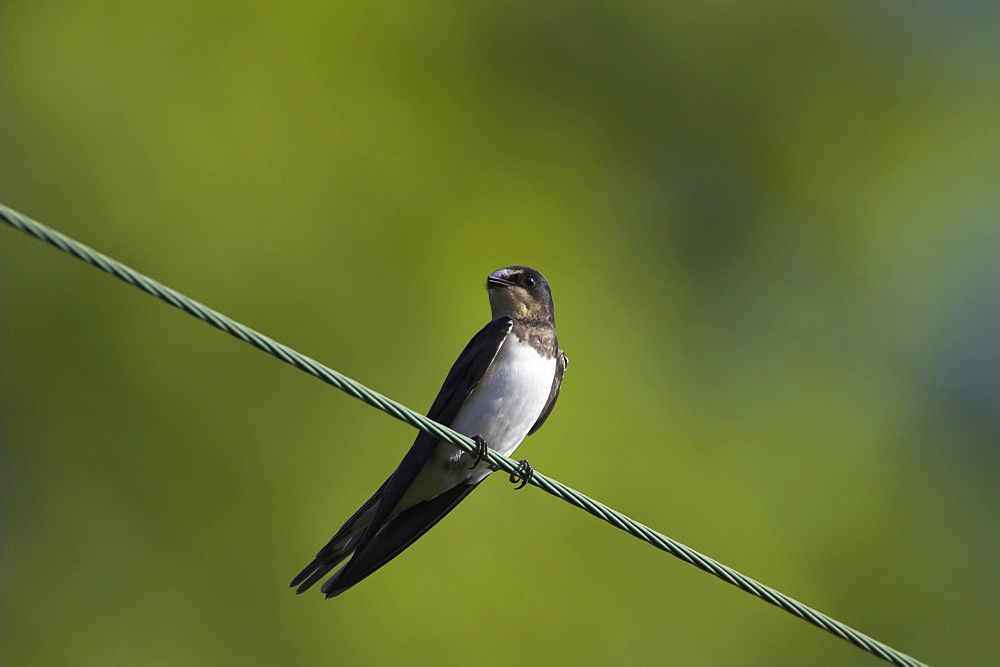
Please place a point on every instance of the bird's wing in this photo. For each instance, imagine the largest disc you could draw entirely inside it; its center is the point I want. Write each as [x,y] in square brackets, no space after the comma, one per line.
[387,536]
[464,376]
[562,361]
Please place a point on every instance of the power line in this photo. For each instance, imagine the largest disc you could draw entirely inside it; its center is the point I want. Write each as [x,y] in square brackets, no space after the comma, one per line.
[403,413]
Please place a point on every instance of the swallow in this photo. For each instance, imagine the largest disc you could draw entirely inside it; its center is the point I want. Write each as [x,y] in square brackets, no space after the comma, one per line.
[501,389]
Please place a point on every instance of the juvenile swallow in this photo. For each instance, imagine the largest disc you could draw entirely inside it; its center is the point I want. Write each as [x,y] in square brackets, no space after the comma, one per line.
[501,389]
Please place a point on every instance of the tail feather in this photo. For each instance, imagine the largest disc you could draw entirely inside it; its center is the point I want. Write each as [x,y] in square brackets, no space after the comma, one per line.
[340,545]
[374,546]
[316,570]
[374,551]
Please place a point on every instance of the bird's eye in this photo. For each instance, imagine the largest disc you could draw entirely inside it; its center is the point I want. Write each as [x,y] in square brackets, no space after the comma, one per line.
[528,280]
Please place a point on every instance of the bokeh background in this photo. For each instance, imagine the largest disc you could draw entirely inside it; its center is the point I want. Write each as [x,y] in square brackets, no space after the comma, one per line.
[772,234]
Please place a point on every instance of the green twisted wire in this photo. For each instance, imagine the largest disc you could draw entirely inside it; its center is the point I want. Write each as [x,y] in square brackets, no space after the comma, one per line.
[403,413]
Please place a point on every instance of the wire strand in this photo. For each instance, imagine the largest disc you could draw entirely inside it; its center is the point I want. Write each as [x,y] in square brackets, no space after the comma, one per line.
[415,419]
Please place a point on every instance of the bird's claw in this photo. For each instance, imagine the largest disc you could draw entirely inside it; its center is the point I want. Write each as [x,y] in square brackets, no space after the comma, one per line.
[481,449]
[523,474]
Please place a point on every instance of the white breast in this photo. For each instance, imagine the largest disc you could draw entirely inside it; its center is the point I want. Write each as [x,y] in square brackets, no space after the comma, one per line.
[502,409]
[510,397]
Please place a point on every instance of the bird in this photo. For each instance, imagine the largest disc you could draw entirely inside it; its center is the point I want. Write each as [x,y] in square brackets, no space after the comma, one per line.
[500,390]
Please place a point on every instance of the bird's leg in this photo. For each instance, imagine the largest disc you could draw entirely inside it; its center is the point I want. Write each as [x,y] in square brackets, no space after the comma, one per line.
[523,474]
[481,449]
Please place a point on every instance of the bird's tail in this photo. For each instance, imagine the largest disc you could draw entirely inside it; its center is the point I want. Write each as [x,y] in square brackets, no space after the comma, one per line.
[340,545]
[328,558]
[381,544]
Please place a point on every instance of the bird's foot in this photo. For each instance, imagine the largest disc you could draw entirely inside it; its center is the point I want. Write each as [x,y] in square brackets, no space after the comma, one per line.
[481,449]
[523,474]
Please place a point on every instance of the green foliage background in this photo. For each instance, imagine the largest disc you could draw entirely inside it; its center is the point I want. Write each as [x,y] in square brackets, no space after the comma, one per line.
[771,231]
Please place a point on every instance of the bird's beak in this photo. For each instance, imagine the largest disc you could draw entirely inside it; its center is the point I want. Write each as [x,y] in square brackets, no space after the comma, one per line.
[498,282]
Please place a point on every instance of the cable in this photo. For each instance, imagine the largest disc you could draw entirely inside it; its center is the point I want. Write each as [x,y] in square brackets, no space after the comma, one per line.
[401,412]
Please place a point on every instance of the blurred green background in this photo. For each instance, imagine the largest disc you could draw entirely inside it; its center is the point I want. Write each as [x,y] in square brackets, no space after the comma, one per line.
[772,235]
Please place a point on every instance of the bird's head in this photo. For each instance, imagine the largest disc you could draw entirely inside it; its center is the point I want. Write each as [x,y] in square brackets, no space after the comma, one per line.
[521,293]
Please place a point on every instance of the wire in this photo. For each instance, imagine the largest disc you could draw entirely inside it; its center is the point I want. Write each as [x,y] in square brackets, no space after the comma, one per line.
[401,412]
